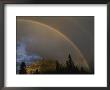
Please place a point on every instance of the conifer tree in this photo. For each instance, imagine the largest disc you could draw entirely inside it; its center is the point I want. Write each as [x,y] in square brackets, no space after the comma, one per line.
[70,65]
[22,68]
[57,66]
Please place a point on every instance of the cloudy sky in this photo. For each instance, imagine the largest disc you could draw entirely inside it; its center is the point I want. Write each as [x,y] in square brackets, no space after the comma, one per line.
[50,32]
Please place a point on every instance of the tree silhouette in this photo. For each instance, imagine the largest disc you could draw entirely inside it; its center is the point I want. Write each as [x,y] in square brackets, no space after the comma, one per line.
[22,68]
[57,66]
[70,65]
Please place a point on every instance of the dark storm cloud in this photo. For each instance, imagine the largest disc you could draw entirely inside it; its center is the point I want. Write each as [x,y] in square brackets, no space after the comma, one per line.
[79,30]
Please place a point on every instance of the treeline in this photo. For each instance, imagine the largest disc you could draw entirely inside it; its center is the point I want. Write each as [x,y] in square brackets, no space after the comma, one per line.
[69,68]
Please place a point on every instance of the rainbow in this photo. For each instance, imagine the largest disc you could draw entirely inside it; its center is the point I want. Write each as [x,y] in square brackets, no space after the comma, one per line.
[62,35]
